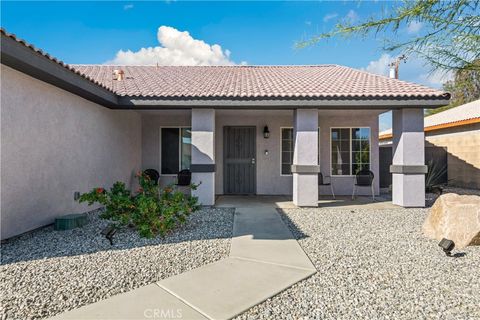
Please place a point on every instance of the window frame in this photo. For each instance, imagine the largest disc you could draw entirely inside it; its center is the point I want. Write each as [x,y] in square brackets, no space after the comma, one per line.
[179,149]
[293,140]
[281,151]
[350,151]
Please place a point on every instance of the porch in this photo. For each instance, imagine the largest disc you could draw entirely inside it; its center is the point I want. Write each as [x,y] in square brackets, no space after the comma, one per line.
[229,153]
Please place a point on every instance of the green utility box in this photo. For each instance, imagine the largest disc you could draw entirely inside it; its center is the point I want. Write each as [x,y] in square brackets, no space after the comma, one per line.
[70,221]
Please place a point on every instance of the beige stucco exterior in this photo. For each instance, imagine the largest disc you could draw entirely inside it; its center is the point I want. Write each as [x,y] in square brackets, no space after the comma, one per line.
[463,152]
[54,143]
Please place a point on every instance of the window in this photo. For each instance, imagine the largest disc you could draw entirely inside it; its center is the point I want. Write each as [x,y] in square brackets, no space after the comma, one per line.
[176,144]
[350,150]
[287,151]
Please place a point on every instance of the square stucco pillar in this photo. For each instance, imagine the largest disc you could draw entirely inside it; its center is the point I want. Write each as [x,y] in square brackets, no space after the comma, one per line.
[305,166]
[203,155]
[408,166]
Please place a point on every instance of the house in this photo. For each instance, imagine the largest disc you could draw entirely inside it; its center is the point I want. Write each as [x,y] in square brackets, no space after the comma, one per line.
[266,130]
[457,130]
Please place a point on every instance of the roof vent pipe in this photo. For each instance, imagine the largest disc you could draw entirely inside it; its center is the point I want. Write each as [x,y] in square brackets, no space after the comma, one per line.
[394,66]
[393,74]
[118,75]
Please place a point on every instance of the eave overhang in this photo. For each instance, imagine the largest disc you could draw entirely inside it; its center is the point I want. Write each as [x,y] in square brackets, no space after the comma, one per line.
[22,58]
[139,103]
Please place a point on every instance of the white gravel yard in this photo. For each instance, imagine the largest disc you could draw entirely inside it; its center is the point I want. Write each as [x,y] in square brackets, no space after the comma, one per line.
[375,264]
[47,272]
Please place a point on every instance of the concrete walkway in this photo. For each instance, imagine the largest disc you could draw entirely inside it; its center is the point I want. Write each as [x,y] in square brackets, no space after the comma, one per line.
[264,260]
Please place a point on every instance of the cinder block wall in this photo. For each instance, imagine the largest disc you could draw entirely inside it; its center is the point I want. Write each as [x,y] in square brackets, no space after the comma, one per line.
[463,148]
[54,143]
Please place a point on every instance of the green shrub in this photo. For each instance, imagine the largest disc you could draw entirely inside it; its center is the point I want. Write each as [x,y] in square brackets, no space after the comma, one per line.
[151,211]
[434,175]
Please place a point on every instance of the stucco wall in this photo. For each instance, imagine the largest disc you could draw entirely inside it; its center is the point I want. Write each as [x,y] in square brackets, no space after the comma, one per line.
[54,143]
[463,152]
[269,180]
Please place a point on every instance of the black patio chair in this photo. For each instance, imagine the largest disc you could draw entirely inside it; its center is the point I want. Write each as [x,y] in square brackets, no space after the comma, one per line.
[184,178]
[364,178]
[321,182]
[153,175]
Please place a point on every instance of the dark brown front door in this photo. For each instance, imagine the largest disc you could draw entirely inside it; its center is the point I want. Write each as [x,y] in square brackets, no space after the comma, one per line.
[239,161]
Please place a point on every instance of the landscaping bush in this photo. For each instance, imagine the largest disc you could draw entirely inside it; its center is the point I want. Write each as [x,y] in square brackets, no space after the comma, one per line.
[151,211]
[433,178]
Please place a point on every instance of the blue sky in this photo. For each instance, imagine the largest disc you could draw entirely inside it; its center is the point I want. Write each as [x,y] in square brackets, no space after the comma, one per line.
[253,32]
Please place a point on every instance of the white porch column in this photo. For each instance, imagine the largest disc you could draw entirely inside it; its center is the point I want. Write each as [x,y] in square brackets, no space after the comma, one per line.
[203,155]
[305,166]
[408,166]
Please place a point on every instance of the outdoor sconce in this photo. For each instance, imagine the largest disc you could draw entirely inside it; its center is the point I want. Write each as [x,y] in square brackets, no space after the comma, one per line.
[266,133]
[266,152]
[447,246]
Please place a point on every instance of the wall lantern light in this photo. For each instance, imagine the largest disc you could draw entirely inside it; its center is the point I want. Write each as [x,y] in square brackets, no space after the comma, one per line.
[266,133]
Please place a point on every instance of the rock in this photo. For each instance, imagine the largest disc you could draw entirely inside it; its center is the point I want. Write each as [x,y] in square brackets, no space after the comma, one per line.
[456,218]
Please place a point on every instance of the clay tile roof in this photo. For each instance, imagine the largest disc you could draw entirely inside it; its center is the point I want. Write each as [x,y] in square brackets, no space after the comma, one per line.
[48,56]
[317,82]
[255,82]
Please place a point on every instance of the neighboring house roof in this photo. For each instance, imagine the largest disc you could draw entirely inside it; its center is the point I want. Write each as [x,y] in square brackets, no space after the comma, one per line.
[324,86]
[465,114]
[256,82]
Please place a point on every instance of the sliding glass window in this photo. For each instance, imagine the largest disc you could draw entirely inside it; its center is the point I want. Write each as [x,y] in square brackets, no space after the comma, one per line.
[176,153]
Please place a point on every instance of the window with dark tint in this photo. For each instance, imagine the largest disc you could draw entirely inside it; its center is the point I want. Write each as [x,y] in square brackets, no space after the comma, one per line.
[287,150]
[170,150]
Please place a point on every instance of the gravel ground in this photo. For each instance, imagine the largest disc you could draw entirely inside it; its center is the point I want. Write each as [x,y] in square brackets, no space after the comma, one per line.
[47,272]
[374,264]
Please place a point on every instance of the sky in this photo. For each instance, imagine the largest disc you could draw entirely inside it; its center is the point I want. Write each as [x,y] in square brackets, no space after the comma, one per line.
[208,33]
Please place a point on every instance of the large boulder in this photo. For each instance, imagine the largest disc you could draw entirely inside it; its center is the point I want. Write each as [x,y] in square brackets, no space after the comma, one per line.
[456,218]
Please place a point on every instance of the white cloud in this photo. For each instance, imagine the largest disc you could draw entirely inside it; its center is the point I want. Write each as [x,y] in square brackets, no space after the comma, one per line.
[329,17]
[176,48]
[414,27]
[414,70]
[436,78]
[380,66]
[352,16]
[128,7]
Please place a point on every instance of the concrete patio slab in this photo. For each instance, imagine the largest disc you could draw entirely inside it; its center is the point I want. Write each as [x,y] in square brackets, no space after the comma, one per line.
[252,201]
[324,201]
[149,302]
[275,244]
[223,289]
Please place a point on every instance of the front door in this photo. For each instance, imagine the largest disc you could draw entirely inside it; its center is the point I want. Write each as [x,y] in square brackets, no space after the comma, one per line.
[239,160]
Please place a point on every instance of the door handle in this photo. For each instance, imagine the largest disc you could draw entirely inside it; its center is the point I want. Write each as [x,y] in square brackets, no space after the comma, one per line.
[253,160]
